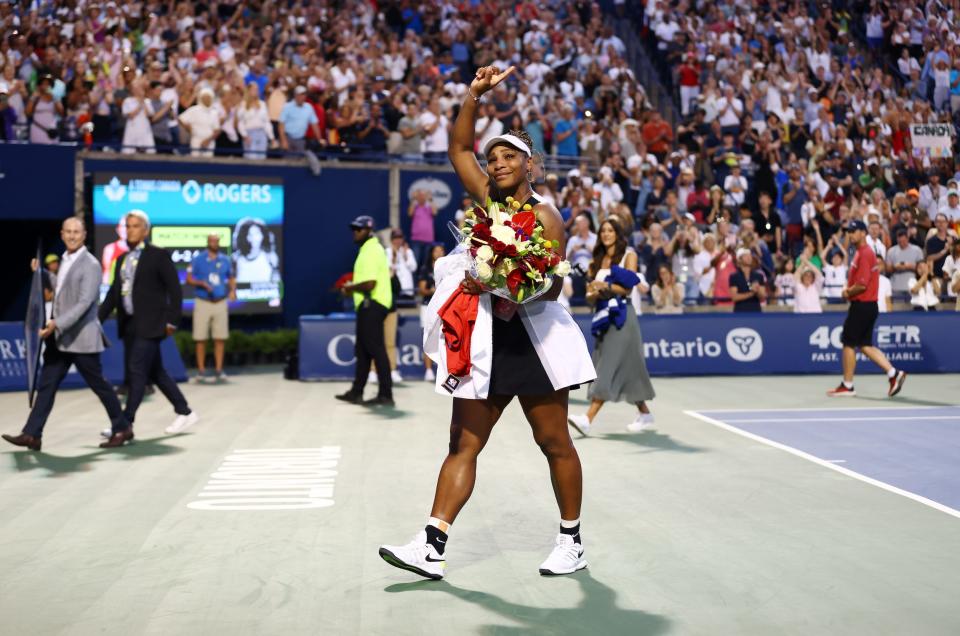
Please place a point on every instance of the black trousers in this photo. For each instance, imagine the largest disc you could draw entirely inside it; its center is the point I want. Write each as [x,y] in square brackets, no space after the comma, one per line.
[144,364]
[56,363]
[370,346]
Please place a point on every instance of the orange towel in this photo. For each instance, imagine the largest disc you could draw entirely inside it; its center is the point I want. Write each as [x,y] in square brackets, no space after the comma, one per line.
[459,315]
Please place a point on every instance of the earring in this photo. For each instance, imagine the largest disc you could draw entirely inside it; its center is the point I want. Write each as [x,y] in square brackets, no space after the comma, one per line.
[530,178]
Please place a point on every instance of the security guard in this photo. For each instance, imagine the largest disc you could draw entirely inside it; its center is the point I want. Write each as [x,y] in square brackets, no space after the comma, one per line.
[372,296]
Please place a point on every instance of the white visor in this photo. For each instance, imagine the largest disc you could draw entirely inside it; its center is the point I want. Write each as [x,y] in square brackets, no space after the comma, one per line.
[510,140]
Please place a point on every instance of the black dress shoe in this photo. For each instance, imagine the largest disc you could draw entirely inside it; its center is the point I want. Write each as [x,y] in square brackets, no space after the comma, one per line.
[118,439]
[29,441]
[380,401]
[350,396]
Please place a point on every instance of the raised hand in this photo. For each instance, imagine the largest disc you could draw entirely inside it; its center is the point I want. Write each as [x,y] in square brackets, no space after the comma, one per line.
[488,77]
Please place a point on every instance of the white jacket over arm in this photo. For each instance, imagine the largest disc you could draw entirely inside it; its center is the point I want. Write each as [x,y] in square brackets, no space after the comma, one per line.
[557,339]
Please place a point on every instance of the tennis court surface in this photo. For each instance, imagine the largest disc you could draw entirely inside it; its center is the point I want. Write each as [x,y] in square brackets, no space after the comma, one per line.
[756,505]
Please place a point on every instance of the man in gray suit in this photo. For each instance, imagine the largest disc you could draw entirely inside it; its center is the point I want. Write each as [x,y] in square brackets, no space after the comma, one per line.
[73,336]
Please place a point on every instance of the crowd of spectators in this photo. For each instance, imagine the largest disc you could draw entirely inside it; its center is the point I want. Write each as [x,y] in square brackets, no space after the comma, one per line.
[361,76]
[795,120]
[795,115]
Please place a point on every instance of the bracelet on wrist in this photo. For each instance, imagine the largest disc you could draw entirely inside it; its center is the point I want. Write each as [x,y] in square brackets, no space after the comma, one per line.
[475,97]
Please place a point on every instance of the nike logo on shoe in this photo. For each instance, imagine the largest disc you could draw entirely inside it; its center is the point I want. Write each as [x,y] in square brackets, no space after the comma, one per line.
[431,560]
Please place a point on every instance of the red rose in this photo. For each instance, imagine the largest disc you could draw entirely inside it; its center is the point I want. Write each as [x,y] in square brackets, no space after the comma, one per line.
[537,263]
[524,221]
[515,279]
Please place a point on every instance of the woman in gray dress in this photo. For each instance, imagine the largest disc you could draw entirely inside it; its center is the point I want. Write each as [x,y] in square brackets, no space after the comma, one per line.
[618,352]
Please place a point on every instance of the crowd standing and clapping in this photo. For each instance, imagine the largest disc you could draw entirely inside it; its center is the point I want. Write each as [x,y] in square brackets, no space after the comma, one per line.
[794,117]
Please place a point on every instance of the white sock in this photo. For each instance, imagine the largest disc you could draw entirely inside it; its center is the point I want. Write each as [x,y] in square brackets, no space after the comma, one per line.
[569,524]
[891,373]
[440,524]
[848,385]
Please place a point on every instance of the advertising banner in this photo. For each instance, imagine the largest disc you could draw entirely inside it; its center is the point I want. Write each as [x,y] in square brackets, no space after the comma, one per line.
[14,352]
[246,213]
[706,344]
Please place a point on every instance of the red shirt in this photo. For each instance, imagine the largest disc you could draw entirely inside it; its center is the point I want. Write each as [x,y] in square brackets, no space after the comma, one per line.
[864,271]
[689,75]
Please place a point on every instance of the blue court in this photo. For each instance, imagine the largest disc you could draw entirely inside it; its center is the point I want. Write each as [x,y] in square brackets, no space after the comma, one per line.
[914,451]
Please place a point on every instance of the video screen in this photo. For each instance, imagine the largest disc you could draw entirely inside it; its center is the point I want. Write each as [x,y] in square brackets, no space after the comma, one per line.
[184,210]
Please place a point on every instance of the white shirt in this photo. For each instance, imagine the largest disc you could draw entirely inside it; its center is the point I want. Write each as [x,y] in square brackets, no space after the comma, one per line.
[439,139]
[924,298]
[342,81]
[876,244]
[555,336]
[884,291]
[701,261]
[734,199]
[404,267]
[835,278]
[65,264]
[137,131]
[728,116]
[203,121]
[256,118]
[535,73]
[495,129]
[806,298]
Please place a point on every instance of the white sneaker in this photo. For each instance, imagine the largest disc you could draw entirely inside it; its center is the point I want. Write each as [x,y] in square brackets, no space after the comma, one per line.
[200,378]
[221,376]
[429,376]
[580,423]
[566,558]
[182,423]
[642,423]
[396,377]
[418,557]
[372,378]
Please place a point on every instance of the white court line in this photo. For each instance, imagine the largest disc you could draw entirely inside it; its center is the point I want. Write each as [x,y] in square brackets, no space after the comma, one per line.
[844,419]
[841,408]
[826,464]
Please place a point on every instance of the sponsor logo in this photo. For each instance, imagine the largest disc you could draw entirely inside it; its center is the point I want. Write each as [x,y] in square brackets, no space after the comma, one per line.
[451,383]
[439,189]
[194,193]
[698,348]
[744,344]
[115,191]
[191,192]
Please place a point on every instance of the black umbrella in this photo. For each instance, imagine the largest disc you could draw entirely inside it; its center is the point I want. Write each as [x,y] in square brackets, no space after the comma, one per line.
[34,322]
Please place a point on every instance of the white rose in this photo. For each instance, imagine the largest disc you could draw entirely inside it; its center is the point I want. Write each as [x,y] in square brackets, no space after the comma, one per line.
[504,234]
[485,253]
[484,271]
[563,268]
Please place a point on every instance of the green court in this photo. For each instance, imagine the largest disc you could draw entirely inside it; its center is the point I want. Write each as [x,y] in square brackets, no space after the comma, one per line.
[266,517]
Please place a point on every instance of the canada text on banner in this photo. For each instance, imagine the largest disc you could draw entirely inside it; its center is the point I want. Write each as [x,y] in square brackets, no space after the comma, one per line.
[932,140]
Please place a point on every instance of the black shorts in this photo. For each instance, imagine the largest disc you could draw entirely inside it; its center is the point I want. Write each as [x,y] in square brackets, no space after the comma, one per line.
[858,327]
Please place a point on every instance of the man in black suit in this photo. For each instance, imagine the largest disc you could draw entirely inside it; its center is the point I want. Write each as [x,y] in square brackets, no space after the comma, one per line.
[147,297]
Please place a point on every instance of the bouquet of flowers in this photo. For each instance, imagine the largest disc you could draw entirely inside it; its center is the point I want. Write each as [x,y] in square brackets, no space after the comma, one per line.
[510,255]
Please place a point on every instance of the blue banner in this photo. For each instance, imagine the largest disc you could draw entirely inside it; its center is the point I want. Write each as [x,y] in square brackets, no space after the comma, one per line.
[13,359]
[187,199]
[694,344]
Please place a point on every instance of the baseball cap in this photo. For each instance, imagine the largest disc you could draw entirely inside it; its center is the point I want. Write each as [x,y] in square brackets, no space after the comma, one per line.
[573,173]
[361,222]
[743,252]
[952,193]
[300,90]
[395,233]
[913,192]
[51,258]
[854,225]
